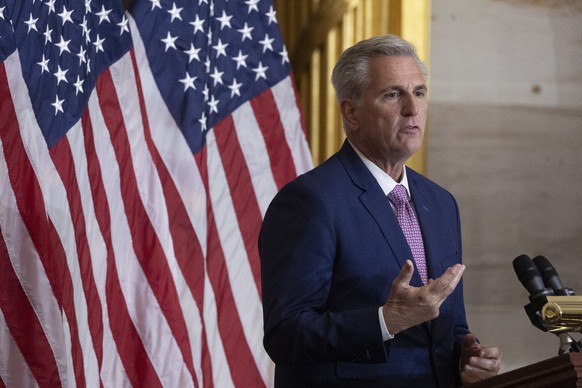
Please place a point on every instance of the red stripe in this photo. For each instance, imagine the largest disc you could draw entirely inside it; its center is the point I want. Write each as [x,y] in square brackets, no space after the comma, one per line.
[243,195]
[145,242]
[186,244]
[269,120]
[23,324]
[63,160]
[242,365]
[41,230]
[134,357]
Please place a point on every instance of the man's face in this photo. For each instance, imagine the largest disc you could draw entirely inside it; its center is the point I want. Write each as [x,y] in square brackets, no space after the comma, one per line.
[390,119]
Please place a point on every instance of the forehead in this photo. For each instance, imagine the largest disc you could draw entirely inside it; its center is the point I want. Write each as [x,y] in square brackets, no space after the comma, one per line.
[395,69]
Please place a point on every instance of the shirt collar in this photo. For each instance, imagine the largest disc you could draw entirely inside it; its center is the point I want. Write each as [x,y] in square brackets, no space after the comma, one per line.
[384,180]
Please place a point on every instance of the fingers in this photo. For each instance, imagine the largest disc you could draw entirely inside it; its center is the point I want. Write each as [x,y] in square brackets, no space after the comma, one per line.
[447,282]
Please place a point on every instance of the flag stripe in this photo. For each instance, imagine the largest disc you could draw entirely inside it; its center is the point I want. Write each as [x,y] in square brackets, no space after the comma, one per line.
[136,361]
[269,121]
[187,247]
[244,202]
[30,338]
[63,160]
[145,242]
[14,371]
[240,358]
[29,200]
[151,191]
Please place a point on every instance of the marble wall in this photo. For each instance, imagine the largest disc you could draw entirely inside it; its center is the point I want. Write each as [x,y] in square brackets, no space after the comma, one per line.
[505,137]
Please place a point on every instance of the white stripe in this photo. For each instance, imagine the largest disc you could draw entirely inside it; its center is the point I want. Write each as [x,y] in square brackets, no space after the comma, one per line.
[142,304]
[240,275]
[256,155]
[152,194]
[112,370]
[183,169]
[287,104]
[14,371]
[40,292]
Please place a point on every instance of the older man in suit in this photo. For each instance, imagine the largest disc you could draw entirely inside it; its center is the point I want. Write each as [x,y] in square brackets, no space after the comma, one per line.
[361,257]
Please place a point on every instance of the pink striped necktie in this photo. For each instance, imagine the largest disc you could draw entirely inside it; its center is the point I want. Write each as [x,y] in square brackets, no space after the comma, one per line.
[410,228]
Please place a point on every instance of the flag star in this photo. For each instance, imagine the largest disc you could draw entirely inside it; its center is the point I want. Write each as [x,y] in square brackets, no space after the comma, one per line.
[51,5]
[213,104]
[82,55]
[2,13]
[98,44]
[175,12]
[31,23]
[217,76]
[88,37]
[267,43]
[47,35]
[156,4]
[272,16]
[66,15]
[61,75]
[207,64]
[192,53]
[188,82]
[234,88]
[84,28]
[220,48]
[261,71]
[88,65]
[240,60]
[252,5]
[103,14]
[170,41]
[124,25]
[205,92]
[246,32]
[88,6]
[285,55]
[198,24]
[224,20]
[202,121]
[78,85]
[58,104]
[43,64]
[63,45]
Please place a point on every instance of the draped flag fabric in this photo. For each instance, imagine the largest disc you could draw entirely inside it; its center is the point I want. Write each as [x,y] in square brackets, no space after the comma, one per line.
[138,153]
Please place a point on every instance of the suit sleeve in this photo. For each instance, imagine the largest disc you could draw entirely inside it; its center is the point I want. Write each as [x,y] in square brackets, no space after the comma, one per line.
[297,246]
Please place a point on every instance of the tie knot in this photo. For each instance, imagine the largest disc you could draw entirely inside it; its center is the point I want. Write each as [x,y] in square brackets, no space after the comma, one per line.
[398,195]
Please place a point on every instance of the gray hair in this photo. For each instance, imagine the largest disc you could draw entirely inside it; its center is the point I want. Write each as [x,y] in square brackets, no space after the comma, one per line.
[350,74]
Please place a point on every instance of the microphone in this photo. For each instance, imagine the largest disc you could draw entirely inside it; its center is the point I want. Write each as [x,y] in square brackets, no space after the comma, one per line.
[550,276]
[529,275]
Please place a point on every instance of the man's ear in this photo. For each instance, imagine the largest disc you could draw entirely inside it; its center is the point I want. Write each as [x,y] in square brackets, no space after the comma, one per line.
[350,114]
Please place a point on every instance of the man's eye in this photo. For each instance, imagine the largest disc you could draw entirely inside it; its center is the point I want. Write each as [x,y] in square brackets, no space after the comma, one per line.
[391,95]
[420,93]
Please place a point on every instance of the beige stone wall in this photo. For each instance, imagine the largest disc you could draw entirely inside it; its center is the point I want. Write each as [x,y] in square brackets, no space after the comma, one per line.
[505,137]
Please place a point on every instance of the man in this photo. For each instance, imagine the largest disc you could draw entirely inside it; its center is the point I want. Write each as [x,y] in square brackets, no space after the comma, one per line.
[344,303]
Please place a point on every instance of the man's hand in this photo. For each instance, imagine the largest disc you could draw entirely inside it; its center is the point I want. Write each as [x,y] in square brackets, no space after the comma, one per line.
[409,306]
[478,362]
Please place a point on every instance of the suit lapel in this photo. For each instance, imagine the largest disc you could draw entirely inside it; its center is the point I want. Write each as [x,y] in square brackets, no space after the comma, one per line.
[377,205]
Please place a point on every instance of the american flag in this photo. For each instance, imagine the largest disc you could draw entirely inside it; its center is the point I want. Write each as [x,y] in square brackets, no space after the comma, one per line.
[138,153]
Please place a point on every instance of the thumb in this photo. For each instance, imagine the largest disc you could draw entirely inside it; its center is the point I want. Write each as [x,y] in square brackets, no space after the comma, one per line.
[405,275]
[470,343]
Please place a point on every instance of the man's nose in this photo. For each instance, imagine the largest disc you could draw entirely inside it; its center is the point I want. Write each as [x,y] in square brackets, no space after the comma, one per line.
[409,106]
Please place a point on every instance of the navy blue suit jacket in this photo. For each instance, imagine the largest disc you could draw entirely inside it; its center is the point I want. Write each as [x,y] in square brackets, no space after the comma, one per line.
[330,247]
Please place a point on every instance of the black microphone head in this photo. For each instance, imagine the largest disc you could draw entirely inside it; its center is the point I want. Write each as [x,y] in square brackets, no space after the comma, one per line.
[550,276]
[528,274]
